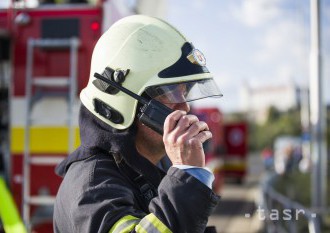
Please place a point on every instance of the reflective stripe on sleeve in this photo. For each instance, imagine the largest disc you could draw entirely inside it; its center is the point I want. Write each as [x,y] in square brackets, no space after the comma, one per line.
[151,224]
[125,224]
[9,214]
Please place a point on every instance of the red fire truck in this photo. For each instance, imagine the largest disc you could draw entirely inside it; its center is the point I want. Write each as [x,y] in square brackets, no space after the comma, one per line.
[45,52]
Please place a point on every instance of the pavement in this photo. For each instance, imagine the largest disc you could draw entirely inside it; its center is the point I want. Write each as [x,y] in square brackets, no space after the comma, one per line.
[237,210]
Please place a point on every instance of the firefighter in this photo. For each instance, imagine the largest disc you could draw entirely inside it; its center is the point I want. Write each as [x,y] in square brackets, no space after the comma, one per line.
[112,182]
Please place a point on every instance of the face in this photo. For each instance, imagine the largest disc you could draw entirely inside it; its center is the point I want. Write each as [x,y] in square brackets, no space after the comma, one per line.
[149,143]
[176,94]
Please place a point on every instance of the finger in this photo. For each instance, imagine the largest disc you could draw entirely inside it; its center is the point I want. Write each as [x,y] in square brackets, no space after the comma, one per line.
[203,136]
[197,127]
[184,123]
[172,120]
[193,130]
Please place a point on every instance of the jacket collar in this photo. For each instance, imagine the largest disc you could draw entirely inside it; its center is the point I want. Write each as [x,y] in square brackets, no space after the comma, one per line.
[97,137]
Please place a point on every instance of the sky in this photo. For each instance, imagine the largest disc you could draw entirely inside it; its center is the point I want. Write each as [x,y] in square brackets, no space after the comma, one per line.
[252,42]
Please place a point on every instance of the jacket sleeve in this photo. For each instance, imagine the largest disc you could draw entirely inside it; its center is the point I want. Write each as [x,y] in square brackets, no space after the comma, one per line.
[183,205]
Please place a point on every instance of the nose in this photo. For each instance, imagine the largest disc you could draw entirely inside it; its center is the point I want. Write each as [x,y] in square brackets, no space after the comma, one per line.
[182,106]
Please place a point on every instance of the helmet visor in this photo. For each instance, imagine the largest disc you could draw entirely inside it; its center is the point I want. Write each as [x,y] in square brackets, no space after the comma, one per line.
[184,92]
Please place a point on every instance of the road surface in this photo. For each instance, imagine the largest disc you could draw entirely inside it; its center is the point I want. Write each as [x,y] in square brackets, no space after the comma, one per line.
[237,210]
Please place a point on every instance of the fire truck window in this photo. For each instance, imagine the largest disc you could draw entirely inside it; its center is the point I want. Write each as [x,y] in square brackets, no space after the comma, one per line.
[78,1]
[91,2]
[46,2]
[70,27]
[41,2]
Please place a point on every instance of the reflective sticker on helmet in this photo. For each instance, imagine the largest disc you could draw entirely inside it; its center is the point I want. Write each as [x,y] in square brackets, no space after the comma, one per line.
[197,57]
[191,62]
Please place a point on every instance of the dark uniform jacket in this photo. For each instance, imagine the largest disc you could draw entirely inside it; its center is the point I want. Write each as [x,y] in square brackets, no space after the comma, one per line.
[109,187]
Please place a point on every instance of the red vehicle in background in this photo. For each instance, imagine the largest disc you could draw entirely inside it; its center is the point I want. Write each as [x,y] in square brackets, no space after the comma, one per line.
[235,155]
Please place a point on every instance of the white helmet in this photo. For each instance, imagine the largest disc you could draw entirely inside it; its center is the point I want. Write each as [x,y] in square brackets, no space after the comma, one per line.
[145,55]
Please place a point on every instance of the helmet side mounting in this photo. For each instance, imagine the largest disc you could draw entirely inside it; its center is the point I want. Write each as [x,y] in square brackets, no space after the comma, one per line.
[117,76]
[107,112]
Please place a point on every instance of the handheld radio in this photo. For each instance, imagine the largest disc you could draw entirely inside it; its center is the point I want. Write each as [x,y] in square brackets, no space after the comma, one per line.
[152,113]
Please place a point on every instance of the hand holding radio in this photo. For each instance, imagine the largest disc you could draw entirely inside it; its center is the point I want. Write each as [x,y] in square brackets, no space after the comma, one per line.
[183,137]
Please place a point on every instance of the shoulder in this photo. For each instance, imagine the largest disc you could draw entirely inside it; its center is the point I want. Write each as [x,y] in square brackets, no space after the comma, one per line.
[96,172]
[94,194]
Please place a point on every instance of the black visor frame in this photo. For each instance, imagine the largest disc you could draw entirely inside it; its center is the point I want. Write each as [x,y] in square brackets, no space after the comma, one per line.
[183,67]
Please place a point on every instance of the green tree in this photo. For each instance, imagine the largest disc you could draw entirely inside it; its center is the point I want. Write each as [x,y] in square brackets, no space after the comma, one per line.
[277,123]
